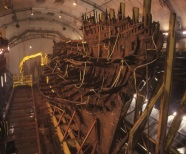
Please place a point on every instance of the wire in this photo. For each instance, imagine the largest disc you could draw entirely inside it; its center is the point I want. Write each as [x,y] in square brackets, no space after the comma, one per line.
[82,78]
[119,73]
[66,72]
[114,46]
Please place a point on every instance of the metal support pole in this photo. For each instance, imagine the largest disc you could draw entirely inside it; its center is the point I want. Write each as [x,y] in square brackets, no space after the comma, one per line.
[68,126]
[60,118]
[175,124]
[164,106]
[141,121]
[64,145]
[138,107]
[146,11]
[90,130]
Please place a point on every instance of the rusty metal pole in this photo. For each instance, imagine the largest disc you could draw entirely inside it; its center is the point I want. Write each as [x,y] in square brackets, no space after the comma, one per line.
[164,106]
[175,124]
[90,130]
[68,125]
[60,117]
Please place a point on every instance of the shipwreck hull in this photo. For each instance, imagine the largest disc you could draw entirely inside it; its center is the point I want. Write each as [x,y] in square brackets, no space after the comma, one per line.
[94,80]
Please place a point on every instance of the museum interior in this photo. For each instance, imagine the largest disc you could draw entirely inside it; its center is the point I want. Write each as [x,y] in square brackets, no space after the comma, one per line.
[92,76]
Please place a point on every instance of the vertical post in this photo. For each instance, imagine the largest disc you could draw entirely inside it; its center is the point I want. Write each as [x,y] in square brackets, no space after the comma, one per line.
[122,9]
[164,106]
[175,124]
[103,17]
[112,14]
[138,107]
[135,14]
[146,11]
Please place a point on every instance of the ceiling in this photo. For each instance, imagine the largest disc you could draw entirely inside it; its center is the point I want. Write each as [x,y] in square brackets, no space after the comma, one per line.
[53,14]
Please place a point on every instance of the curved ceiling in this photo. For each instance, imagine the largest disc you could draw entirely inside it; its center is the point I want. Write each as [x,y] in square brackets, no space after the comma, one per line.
[67,13]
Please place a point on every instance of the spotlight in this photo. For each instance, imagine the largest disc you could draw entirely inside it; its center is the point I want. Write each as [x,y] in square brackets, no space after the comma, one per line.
[184,32]
[135,96]
[74,3]
[30,47]
[174,113]
[184,118]
[166,33]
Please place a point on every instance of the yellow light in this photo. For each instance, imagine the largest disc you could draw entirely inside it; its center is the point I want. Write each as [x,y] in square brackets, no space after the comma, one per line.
[2,84]
[47,79]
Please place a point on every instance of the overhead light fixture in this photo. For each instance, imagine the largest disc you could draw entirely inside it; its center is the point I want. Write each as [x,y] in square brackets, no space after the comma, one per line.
[184,32]
[74,3]
[30,47]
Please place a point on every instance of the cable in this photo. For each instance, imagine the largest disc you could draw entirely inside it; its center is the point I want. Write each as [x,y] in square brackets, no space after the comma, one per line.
[114,46]
[82,78]
[117,78]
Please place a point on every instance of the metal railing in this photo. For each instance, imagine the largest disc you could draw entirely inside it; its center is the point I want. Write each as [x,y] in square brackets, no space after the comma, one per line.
[19,80]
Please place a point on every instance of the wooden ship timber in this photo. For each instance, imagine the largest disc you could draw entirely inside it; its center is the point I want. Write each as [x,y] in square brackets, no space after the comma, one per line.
[90,83]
